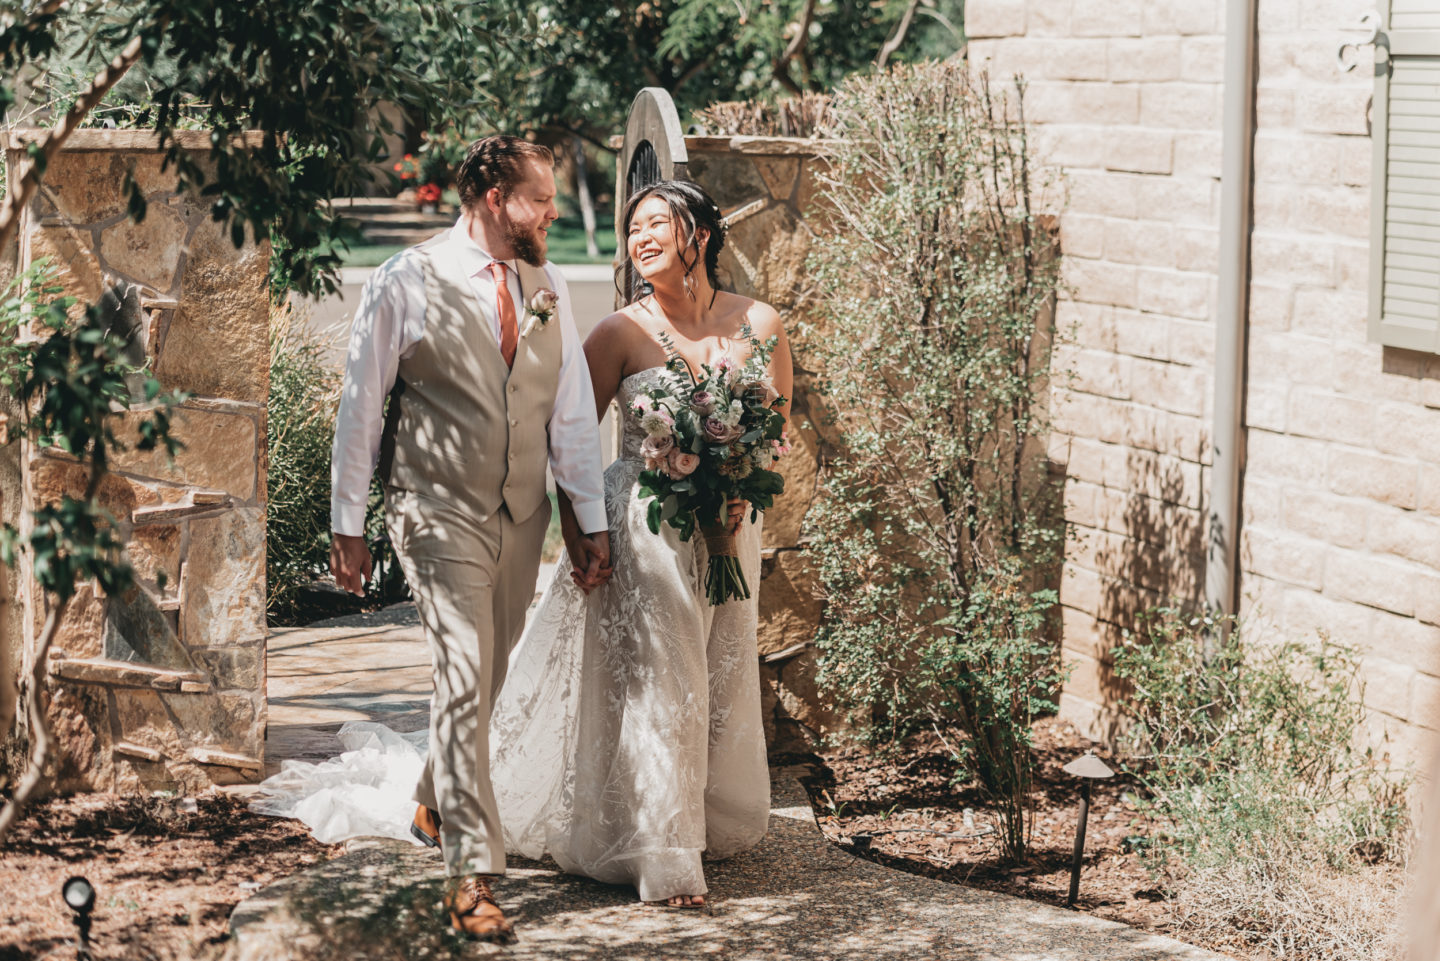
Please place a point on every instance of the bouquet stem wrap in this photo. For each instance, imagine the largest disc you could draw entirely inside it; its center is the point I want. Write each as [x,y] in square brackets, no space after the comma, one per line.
[724,580]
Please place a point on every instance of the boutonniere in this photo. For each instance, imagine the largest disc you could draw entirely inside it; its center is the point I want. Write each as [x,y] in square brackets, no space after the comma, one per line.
[539,309]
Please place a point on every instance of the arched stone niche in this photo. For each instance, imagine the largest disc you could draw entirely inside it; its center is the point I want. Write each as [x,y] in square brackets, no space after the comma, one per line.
[163,687]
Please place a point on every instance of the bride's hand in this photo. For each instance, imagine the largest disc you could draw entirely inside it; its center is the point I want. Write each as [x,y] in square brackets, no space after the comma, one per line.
[592,567]
[736,513]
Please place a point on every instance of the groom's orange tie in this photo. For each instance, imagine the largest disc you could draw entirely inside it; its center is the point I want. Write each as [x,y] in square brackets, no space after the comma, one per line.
[505,310]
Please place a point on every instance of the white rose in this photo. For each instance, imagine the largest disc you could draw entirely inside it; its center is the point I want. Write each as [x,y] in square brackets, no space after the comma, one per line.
[543,301]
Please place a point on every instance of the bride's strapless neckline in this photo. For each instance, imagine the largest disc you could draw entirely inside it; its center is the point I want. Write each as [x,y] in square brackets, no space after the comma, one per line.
[643,371]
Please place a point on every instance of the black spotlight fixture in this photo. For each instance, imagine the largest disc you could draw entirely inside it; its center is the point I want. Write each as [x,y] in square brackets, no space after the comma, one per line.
[79,897]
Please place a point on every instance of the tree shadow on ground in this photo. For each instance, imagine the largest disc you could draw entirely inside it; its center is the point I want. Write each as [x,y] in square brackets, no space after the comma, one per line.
[794,896]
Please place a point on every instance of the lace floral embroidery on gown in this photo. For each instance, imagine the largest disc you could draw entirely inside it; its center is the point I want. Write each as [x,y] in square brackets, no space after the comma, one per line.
[627,737]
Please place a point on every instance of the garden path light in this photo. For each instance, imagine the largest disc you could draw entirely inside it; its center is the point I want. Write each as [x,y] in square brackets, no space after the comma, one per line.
[79,896]
[1087,767]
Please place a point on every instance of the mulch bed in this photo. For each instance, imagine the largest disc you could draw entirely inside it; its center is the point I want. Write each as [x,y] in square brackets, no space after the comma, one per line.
[166,877]
[894,809]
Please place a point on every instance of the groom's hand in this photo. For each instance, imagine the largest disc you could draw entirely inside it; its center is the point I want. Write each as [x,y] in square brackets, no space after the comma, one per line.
[350,562]
[590,560]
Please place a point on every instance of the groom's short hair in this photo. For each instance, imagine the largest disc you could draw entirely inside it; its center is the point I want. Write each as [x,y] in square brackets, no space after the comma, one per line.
[497,161]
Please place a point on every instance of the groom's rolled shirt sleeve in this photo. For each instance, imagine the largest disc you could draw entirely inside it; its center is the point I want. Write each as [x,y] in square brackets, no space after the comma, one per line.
[389,321]
[575,457]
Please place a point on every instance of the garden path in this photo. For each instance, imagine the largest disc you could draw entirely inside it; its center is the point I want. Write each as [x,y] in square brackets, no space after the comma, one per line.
[794,897]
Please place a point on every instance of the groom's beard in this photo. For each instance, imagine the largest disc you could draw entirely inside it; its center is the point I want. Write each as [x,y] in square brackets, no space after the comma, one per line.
[529,245]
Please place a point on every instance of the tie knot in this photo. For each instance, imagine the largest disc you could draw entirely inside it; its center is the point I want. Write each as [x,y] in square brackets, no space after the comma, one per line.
[497,270]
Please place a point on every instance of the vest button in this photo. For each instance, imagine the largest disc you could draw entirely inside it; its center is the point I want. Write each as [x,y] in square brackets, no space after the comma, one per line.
[514,423]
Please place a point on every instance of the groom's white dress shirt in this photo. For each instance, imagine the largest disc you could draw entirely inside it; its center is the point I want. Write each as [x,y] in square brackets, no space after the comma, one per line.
[390,322]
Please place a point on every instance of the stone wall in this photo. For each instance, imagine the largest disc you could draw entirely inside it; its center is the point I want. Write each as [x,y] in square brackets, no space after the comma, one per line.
[764,186]
[1341,484]
[164,687]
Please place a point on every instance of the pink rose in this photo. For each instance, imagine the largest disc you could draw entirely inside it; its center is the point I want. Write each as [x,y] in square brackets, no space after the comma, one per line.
[655,448]
[718,432]
[683,463]
[703,402]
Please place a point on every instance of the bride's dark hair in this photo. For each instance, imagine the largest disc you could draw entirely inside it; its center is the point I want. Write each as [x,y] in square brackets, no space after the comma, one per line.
[691,210]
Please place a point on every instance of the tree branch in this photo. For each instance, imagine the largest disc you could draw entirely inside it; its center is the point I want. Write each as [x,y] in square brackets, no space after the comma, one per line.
[25,186]
[902,28]
[690,71]
[39,725]
[781,66]
[569,131]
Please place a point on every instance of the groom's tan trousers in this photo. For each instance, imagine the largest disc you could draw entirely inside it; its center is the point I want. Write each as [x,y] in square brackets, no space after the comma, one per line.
[473,578]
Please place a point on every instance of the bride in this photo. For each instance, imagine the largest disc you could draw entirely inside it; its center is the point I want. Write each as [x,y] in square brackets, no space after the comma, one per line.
[627,739]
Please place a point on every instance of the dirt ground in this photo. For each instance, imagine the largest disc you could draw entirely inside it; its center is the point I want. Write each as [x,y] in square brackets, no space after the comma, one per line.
[166,877]
[168,871]
[897,811]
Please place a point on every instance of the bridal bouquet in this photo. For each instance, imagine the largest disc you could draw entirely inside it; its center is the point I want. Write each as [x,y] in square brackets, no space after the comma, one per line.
[709,439]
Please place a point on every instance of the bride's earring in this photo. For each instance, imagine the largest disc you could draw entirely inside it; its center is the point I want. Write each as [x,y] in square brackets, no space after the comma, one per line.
[689,286]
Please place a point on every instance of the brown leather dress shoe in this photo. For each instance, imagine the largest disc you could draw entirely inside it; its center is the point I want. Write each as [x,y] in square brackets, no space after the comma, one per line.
[473,911]
[426,827]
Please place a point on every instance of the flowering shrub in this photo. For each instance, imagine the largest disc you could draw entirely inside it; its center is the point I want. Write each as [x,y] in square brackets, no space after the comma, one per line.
[937,533]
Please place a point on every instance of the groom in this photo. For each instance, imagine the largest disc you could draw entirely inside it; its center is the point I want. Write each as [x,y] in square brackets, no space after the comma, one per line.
[470,335]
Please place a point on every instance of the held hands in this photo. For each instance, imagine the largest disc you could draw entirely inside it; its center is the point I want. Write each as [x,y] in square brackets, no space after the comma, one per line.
[350,562]
[590,559]
[589,553]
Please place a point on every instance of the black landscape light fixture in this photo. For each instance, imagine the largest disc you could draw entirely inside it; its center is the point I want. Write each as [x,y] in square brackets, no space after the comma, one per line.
[1087,767]
[79,897]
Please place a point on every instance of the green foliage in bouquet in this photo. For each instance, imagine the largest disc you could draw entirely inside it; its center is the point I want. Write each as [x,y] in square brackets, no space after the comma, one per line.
[712,437]
[937,535]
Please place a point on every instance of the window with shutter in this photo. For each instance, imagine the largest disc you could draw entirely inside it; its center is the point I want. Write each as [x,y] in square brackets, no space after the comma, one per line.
[1405,206]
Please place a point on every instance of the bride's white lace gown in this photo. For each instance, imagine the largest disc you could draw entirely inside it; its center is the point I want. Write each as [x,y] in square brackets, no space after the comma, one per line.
[627,737]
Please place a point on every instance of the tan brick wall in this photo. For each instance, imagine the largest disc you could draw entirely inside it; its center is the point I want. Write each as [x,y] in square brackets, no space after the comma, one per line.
[1341,492]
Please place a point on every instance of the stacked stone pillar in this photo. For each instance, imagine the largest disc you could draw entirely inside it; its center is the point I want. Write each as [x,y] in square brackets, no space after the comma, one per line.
[163,687]
[764,186]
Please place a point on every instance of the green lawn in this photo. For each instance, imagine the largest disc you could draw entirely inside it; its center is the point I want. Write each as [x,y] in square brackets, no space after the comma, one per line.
[567,240]
[567,245]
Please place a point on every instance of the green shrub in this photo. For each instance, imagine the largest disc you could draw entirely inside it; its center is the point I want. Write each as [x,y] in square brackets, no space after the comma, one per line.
[1257,783]
[937,534]
[299,427]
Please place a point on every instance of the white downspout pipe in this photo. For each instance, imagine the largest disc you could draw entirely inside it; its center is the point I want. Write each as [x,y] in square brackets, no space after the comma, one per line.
[1231,307]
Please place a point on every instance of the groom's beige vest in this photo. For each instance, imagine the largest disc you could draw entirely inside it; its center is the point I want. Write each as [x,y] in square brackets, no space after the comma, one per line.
[461,426]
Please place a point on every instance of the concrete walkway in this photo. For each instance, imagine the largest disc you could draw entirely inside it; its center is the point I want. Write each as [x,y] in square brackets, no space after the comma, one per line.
[795,896]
